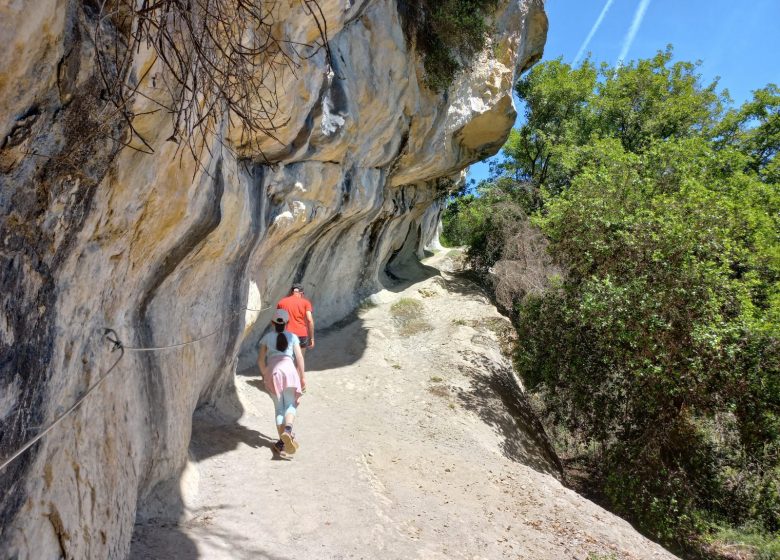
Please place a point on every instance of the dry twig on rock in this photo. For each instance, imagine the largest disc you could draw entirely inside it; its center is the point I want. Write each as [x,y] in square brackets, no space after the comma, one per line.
[220,59]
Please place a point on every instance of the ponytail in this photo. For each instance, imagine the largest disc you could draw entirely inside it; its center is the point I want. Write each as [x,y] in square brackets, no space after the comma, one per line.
[281,339]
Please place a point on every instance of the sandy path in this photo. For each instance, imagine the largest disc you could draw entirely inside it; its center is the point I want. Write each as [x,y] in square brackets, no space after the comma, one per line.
[407,451]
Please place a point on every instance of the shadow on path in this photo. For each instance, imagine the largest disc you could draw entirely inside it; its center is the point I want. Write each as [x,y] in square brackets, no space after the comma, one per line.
[342,344]
[525,440]
[213,433]
[211,436]
[169,542]
[465,282]
[399,279]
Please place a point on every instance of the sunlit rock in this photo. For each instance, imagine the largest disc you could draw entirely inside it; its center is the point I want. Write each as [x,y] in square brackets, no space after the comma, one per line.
[174,245]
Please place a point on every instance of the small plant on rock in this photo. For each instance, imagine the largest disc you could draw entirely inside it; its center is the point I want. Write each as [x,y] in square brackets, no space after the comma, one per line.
[448,33]
[408,316]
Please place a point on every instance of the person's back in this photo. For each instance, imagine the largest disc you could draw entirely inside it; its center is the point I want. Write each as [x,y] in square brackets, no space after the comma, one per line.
[269,340]
[300,310]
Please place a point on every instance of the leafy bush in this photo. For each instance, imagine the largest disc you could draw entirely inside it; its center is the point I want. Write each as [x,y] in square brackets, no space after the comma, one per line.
[664,319]
[658,341]
[448,33]
[504,247]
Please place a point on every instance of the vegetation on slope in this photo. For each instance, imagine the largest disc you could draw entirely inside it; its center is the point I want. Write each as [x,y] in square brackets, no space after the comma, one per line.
[632,232]
[448,34]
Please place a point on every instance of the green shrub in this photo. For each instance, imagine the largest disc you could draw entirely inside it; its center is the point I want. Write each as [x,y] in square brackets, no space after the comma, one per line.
[654,335]
[448,33]
[655,355]
[752,540]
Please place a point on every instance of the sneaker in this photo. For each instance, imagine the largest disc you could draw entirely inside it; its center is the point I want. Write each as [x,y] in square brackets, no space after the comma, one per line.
[284,455]
[279,451]
[290,445]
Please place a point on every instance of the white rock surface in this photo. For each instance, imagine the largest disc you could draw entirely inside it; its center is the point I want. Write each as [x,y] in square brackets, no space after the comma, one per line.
[163,249]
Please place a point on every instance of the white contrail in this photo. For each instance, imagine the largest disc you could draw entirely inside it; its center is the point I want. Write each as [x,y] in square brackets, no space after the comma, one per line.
[593,30]
[629,39]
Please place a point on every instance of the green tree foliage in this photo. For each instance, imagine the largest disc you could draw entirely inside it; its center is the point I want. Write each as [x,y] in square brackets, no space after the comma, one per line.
[654,99]
[661,341]
[755,129]
[473,219]
[565,107]
[448,33]
[557,114]
[664,326]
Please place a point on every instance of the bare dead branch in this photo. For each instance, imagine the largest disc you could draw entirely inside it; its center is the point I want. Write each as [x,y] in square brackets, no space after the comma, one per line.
[220,58]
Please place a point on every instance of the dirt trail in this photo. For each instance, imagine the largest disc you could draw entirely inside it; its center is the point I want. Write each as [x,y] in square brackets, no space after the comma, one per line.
[413,445]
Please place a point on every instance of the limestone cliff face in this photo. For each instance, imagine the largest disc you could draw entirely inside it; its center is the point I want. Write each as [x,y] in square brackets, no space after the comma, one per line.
[164,249]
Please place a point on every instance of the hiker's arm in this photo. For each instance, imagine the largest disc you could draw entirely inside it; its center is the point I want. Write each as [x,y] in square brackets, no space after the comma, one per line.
[261,364]
[310,321]
[261,359]
[300,365]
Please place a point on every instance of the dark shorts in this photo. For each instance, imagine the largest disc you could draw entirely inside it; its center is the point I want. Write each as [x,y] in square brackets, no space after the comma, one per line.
[304,341]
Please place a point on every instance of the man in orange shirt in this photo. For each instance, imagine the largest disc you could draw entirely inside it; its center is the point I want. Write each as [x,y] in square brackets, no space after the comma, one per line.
[301,322]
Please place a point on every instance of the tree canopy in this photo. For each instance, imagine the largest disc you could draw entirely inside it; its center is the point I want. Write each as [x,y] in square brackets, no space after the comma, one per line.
[657,336]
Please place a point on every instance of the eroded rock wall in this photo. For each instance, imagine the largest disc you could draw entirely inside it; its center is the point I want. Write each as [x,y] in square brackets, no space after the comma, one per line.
[163,249]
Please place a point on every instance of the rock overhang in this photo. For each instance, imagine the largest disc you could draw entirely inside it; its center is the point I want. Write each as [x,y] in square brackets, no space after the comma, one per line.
[164,248]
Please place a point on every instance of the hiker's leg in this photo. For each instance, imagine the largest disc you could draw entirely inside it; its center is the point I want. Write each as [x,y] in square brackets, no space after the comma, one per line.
[304,344]
[280,408]
[279,420]
[288,396]
[290,445]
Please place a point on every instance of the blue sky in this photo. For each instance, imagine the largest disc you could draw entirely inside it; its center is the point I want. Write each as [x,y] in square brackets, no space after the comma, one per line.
[736,40]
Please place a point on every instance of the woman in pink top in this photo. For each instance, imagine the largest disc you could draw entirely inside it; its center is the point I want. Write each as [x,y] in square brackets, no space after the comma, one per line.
[284,379]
